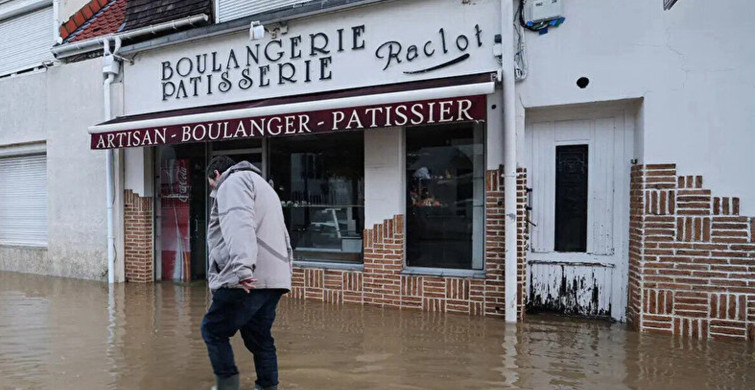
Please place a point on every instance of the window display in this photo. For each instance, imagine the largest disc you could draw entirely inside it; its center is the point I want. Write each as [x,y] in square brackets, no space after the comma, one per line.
[320,181]
[445,195]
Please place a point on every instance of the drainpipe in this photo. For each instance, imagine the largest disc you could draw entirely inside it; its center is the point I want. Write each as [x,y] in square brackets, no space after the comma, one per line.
[509,158]
[110,69]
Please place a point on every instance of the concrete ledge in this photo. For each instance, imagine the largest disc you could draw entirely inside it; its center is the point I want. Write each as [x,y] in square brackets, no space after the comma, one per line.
[443,272]
[329,265]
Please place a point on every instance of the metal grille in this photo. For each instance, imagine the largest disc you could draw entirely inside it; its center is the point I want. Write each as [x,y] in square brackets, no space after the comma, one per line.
[23,200]
[235,9]
[25,41]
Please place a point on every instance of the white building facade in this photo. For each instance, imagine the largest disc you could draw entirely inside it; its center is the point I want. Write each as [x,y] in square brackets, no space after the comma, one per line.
[386,127]
[52,187]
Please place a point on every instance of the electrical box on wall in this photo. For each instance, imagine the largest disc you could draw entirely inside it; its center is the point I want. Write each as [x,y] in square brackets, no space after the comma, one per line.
[543,10]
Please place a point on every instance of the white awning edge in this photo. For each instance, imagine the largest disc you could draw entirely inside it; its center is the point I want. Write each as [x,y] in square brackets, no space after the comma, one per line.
[484,88]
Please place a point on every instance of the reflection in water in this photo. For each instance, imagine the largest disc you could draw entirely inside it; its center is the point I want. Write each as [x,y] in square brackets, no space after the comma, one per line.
[71,334]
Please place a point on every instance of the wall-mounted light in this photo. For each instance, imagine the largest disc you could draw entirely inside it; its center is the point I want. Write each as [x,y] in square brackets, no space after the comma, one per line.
[256,31]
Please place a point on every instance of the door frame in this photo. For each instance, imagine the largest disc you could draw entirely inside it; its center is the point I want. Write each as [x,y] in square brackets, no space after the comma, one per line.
[627,112]
[157,210]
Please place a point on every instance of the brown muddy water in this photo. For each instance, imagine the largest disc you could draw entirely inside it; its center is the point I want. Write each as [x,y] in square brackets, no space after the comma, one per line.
[70,334]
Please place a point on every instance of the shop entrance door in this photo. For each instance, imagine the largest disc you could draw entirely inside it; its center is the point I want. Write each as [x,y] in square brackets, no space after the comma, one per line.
[578,173]
[181,213]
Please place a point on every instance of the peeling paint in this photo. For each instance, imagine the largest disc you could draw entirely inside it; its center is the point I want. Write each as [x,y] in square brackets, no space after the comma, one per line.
[578,290]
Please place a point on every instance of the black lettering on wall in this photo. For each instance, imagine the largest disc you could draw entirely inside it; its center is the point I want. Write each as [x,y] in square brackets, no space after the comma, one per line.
[321,48]
[359,42]
[325,73]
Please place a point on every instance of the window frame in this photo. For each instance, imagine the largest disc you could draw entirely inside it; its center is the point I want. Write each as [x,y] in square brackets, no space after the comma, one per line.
[34,150]
[305,262]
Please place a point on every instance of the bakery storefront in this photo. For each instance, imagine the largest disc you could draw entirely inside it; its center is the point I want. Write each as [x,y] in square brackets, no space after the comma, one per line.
[383,142]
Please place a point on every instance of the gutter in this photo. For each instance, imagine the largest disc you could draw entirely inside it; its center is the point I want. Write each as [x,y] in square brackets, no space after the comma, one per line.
[94,44]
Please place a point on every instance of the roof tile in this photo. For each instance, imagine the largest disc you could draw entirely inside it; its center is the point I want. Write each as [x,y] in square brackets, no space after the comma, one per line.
[95,6]
[141,13]
[103,17]
[108,20]
[86,11]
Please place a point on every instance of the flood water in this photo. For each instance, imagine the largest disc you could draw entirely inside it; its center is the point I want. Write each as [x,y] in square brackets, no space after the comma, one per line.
[71,334]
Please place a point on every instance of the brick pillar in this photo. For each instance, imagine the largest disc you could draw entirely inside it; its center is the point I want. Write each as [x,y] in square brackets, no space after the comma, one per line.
[690,258]
[495,247]
[636,246]
[139,240]
[383,262]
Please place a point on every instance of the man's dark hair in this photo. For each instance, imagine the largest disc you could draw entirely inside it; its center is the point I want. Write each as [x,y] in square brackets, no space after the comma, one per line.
[220,164]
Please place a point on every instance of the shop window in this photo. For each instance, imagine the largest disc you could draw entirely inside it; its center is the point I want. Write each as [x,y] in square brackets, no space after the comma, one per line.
[571,198]
[250,150]
[320,181]
[445,196]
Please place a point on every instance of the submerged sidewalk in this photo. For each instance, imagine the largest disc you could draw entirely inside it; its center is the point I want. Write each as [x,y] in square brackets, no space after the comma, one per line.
[71,334]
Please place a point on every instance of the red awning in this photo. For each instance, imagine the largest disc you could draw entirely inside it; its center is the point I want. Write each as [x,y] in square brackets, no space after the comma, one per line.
[460,99]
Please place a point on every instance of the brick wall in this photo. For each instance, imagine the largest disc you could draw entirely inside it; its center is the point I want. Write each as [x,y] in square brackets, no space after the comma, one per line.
[138,238]
[691,260]
[381,283]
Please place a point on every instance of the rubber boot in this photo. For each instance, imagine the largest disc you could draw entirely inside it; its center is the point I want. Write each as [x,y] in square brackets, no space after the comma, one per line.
[230,383]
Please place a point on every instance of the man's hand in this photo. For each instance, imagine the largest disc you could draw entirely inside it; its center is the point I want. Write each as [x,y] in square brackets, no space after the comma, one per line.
[247,285]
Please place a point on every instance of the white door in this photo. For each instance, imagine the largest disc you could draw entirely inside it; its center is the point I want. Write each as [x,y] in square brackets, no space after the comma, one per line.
[578,171]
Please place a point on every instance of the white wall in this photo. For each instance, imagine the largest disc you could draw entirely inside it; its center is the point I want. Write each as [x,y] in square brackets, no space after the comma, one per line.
[19,95]
[691,65]
[56,106]
[69,7]
[384,172]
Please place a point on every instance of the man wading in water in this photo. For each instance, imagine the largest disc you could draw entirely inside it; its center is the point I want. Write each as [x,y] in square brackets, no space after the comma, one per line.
[250,269]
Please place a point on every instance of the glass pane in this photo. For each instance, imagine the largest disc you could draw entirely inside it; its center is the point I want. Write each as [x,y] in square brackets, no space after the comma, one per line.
[255,158]
[571,198]
[240,144]
[320,181]
[445,194]
[182,212]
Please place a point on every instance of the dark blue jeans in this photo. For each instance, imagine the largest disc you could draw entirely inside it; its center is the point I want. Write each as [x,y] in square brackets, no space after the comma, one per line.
[253,314]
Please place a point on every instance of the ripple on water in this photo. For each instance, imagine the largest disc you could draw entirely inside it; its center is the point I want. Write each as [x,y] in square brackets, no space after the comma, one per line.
[71,334]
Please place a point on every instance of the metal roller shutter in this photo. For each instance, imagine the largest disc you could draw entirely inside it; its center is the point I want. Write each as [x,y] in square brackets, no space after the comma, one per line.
[23,200]
[235,9]
[26,40]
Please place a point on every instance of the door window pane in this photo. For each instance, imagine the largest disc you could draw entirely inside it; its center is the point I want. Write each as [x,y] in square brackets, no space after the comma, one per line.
[320,181]
[571,198]
[445,195]
[182,214]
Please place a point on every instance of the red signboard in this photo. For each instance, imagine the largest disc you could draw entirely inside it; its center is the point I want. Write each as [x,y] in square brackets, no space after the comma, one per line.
[437,111]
